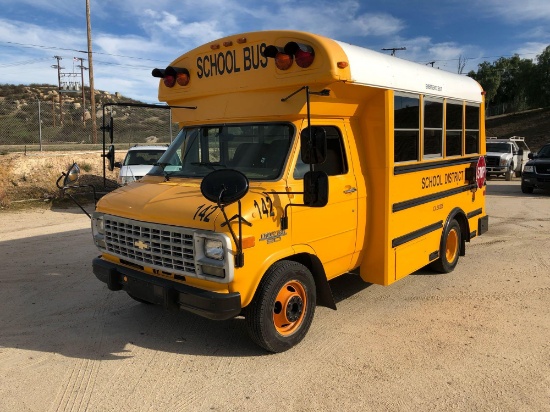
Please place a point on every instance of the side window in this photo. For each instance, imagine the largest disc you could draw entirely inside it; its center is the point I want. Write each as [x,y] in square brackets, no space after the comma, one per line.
[433,128]
[472,129]
[406,127]
[336,162]
[453,129]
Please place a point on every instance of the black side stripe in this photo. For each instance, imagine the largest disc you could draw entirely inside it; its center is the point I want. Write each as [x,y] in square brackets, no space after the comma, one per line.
[407,204]
[399,170]
[474,213]
[416,234]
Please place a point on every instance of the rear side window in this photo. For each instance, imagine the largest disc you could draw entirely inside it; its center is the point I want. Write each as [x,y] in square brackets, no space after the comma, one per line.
[472,129]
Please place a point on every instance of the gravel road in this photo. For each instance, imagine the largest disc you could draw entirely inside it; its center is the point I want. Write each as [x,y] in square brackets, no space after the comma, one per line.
[477,339]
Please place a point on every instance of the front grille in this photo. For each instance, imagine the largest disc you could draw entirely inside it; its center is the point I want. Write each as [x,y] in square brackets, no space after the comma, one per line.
[168,248]
[542,169]
[493,161]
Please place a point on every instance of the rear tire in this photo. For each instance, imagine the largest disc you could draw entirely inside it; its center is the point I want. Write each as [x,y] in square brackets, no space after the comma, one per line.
[449,249]
[283,307]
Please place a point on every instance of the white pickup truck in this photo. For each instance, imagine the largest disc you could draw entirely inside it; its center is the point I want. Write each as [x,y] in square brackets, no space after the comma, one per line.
[506,156]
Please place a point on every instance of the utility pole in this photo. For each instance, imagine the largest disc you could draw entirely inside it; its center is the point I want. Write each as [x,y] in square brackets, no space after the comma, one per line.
[91,73]
[58,67]
[393,49]
[82,68]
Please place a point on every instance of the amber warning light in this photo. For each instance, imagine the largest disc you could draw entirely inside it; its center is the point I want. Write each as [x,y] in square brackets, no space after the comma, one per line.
[172,75]
[292,51]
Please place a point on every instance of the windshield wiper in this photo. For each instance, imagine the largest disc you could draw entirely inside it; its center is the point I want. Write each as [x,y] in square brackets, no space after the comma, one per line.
[210,165]
[165,173]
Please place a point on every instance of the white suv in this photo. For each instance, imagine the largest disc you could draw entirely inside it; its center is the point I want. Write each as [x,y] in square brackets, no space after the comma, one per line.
[138,161]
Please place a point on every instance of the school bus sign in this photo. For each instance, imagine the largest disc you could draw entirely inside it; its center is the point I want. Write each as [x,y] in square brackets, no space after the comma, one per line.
[481,172]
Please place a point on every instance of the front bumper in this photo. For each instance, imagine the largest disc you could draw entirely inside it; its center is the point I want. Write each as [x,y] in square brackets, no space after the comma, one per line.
[533,180]
[171,295]
[496,170]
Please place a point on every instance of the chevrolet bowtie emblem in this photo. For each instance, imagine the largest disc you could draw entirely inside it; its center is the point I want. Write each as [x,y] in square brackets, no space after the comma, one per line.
[141,245]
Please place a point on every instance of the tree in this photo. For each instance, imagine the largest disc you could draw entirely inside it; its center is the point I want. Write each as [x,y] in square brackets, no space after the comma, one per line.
[489,78]
[543,77]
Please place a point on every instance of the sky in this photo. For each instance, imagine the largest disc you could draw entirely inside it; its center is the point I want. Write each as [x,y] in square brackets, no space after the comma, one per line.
[130,38]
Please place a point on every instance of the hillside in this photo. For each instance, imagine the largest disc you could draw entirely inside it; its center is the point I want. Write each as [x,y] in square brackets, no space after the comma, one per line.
[18,94]
[534,125]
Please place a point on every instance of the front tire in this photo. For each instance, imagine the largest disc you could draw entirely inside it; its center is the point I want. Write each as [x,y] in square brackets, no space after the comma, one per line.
[283,307]
[527,189]
[509,175]
[449,250]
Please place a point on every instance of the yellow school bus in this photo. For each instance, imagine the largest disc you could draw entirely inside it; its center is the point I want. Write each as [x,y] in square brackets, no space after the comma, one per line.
[300,158]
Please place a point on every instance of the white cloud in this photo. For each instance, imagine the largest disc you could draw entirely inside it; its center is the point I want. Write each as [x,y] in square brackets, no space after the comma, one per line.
[531,50]
[172,30]
[518,11]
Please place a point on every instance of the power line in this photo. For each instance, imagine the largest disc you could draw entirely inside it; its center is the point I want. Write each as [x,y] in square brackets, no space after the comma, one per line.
[75,50]
[24,63]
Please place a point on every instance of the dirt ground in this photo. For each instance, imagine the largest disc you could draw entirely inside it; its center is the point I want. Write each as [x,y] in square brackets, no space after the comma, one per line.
[30,178]
[477,339]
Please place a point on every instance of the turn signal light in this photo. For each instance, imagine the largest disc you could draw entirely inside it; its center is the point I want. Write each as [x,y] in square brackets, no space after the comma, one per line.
[283,61]
[285,56]
[172,75]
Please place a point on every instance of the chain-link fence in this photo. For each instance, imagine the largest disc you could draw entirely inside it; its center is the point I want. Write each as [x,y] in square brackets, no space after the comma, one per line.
[49,125]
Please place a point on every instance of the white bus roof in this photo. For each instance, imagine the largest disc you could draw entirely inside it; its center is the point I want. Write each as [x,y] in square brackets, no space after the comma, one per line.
[380,70]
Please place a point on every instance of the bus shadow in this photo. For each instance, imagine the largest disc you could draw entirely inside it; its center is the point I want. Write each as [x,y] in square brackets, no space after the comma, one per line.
[345,286]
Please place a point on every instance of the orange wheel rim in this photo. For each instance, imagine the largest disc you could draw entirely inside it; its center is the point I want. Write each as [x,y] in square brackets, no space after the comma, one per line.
[451,249]
[289,307]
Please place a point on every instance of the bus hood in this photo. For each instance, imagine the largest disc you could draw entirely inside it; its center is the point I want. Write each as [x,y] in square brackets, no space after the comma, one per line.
[174,203]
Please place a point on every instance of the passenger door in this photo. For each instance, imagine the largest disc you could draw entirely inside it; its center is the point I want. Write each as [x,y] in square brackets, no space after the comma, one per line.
[329,230]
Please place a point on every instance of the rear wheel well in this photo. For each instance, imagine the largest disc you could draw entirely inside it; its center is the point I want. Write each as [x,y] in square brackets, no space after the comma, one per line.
[460,217]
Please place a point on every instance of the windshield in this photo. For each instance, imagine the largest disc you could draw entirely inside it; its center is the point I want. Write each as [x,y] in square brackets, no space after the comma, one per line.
[143,157]
[498,147]
[257,150]
[544,153]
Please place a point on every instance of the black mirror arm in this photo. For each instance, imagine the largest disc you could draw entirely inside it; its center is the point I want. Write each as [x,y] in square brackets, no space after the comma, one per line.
[284,218]
[239,256]
[64,191]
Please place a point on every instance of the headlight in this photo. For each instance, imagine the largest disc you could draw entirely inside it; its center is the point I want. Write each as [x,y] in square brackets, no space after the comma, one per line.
[124,180]
[529,169]
[213,249]
[98,224]
[504,162]
[98,229]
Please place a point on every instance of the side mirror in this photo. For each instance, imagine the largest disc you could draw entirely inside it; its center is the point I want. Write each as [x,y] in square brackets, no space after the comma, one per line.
[314,145]
[110,156]
[224,186]
[118,164]
[72,175]
[316,189]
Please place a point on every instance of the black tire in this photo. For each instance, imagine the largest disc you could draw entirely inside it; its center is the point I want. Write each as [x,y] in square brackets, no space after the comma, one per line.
[139,299]
[283,307]
[527,189]
[449,249]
